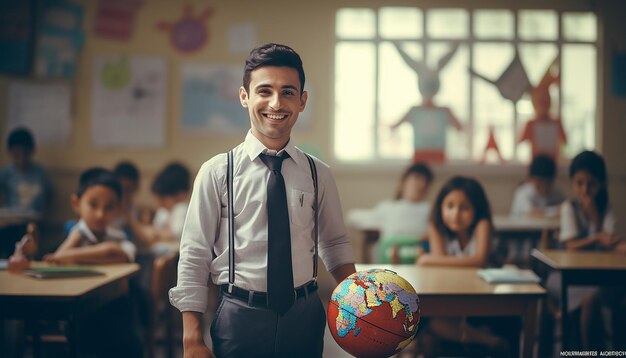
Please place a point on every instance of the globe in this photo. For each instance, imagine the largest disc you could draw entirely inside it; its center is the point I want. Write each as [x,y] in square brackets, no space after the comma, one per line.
[373,313]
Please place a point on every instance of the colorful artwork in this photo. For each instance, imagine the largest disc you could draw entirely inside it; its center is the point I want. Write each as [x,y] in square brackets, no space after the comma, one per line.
[60,40]
[128,102]
[189,33]
[115,18]
[429,121]
[544,132]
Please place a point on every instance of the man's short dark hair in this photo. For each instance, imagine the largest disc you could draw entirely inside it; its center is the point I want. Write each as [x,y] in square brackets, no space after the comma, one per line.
[127,170]
[21,137]
[272,55]
[542,166]
[98,176]
[172,180]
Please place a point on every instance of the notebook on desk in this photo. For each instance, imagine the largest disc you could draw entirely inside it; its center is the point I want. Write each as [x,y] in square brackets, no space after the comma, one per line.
[61,272]
[508,275]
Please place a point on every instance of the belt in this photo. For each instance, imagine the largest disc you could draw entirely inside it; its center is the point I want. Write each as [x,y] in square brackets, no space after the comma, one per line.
[254,298]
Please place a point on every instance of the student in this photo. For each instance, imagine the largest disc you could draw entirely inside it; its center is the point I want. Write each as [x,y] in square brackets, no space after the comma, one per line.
[251,321]
[92,240]
[128,176]
[587,223]
[537,196]
[24,187]
[24,184]
[459,232]
[171,190]
[111,330]
[402,221]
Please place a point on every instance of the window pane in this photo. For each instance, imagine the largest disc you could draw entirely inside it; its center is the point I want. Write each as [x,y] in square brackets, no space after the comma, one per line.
[400,22]
[493,24]
[356,23]
[447,23]
[453,93]
[397,93]
[538,25]
[579,26]
[354,100]
[579,97]
[490,108]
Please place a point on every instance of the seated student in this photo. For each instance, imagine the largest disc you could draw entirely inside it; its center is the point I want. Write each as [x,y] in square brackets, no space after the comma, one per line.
[459,232]
[110,331]
[402,221]
[537,196]
[171,189]
[24,186]
[128,176]
[92,240]
[587,223]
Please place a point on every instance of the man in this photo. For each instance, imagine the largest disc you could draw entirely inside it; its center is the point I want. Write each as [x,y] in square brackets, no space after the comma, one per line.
[252,320]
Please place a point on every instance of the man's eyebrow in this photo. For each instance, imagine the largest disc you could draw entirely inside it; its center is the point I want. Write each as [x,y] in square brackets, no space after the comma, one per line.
[267,85]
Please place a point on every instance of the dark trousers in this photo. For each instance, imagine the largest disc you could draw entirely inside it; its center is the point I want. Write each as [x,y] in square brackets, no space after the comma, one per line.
[240,330]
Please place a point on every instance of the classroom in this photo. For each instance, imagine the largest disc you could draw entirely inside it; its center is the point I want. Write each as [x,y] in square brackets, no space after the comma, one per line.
[157,83]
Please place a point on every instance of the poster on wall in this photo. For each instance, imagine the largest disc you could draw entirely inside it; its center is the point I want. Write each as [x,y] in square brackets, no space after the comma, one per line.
[17,33]
[210,99]
[115,19]
[59,40]
[45,109]
[128,101]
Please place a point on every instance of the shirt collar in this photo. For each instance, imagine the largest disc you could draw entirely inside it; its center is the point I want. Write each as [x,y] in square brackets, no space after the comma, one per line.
[253,147]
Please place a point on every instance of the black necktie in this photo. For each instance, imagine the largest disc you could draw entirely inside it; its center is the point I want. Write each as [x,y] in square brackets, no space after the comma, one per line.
[280,290]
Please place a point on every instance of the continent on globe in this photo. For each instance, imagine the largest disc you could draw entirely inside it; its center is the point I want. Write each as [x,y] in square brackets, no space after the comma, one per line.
[373,313]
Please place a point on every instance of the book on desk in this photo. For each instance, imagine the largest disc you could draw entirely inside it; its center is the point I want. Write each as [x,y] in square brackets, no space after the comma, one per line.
[508,275]
[61,272]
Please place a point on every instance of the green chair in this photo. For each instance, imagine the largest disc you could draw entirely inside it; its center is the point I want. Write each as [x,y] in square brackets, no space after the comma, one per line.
[400,249]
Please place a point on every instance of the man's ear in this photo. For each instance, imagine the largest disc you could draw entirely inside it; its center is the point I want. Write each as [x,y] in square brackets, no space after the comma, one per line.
[243,97]
[303,98]
[75,203]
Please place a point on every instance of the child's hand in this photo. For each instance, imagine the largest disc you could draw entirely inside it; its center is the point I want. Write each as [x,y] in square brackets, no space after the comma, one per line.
[424,259]
[606,240]
[58,259]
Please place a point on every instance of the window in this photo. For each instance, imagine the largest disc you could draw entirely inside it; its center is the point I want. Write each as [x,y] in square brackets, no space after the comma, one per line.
[375,87]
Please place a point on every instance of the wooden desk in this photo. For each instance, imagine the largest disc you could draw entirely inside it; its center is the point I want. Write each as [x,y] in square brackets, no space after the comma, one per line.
[23,297]
[582,268]
[507,227]
[457,292]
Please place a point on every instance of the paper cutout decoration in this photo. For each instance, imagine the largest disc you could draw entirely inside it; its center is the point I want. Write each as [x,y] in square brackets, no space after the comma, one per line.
[188,34]
[429,121]
[492,145]
[60,40]
[544,132]
[115,18]
[17,34]
[512,83]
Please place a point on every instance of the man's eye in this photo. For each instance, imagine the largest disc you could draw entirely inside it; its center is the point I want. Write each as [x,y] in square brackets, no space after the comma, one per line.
[289,93]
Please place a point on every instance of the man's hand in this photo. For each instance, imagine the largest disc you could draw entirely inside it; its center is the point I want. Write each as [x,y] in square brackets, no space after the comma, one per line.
[197,350]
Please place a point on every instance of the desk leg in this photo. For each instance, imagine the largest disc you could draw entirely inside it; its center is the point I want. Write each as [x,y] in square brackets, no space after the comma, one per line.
[73,337]
[530,325]
[565,325]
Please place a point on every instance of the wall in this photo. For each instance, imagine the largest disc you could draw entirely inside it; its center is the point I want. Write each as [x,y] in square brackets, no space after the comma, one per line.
[308,27]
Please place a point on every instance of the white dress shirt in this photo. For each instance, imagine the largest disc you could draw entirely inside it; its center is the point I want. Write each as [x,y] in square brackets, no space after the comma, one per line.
[88,238]
[569,223]
[526,199]
[204,243]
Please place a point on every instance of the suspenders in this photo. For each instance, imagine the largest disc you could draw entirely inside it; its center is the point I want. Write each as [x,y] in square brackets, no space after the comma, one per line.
[231,218]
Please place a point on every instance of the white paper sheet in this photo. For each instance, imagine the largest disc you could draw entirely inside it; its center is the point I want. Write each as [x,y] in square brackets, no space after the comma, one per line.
[128,102]
[42,108]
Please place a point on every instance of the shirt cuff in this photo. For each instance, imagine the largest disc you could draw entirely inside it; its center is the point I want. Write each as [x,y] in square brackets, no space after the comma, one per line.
[337,255]
[189,298]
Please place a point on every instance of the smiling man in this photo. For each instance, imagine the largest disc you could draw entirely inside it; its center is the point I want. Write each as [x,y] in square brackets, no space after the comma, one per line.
[251,228]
